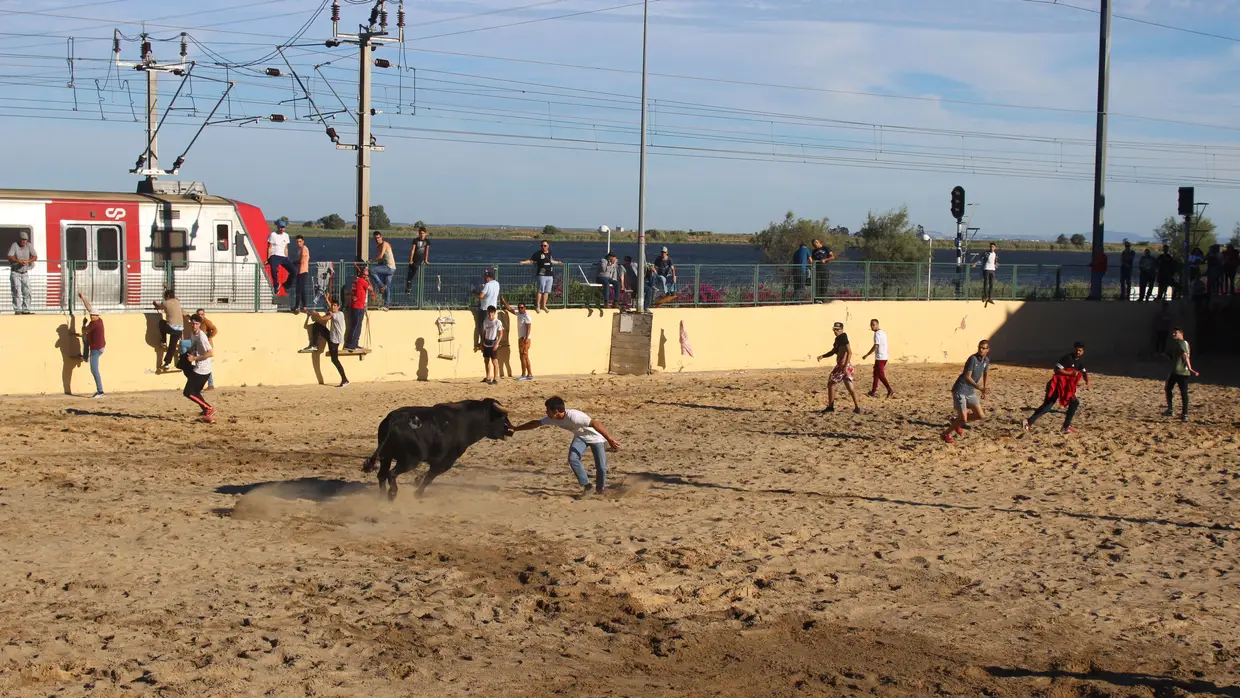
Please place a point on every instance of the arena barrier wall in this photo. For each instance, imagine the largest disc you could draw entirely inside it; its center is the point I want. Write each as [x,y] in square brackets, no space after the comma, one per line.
[262,349]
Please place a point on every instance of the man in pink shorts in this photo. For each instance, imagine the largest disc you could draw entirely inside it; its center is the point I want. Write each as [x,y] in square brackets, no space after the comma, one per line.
[843,371]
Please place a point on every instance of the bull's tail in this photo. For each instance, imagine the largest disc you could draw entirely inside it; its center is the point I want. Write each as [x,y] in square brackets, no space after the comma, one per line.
[372,461]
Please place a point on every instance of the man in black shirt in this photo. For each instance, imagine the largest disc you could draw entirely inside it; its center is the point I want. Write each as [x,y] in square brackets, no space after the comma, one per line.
[1061,388]
[665,272]
[843,371]
[1126,260]
[1164,271]
[544,277]
[820,255]
[419,254]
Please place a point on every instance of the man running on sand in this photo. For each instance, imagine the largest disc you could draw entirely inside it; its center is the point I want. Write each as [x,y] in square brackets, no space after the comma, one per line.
[587,432]
[1061,388]
[966,399]
[200,355]
[843,371]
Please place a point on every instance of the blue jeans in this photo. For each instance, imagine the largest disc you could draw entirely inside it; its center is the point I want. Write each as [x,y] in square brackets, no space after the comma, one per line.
[94,369]
[301,292]
[275,263]
[577,449]
[610,289]
[356,316]
[381,275]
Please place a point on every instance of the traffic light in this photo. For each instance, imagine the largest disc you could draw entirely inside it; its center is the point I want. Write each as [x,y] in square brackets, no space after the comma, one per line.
[958,203]
[1186,201]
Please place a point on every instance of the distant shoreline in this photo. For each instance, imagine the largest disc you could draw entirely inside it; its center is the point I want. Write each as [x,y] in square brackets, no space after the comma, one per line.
[673,238]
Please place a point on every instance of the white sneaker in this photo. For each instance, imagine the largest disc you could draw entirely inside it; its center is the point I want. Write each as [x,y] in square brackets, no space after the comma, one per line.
[96,396]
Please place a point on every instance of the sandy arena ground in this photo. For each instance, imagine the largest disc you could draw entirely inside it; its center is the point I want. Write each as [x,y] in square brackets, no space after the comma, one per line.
[754,547]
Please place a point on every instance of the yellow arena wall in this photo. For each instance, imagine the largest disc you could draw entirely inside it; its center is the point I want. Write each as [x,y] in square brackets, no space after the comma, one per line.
[262,349]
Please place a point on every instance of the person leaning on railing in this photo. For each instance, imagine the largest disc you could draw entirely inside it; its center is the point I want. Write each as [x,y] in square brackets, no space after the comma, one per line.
[22,257]
[173,325]
[301,289]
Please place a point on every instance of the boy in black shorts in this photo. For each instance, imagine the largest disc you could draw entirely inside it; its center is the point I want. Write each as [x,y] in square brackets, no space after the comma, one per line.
[491,333]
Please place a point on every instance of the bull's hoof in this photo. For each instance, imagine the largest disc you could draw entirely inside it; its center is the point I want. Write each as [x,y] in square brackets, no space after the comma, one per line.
[391,495]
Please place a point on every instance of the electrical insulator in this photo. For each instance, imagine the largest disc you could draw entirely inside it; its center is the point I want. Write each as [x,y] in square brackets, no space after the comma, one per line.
[331,133]
[146,50]
[335,12]
[273,72]
[277,118]
[382,63]
[116,44]
[141,161]
[400,16]
[177,164]
[184,47]
[331,43]
[383,17]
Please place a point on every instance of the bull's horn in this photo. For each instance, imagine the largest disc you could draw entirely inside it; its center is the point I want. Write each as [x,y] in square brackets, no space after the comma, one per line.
[501,408]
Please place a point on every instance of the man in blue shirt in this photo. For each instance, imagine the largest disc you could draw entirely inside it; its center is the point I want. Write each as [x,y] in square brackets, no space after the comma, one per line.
[800,276]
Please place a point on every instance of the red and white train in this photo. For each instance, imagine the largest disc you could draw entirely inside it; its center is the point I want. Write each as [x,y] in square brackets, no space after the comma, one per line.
[123,250]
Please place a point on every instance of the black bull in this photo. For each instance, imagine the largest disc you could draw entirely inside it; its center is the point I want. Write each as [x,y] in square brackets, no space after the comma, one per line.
[437,436]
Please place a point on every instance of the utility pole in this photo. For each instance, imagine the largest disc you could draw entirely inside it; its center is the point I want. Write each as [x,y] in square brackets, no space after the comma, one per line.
[1100,142]
[641,175]
[368,38]
[148,163]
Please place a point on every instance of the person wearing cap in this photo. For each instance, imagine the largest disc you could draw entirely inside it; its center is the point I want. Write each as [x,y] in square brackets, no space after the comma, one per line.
[200,356]
[488,296]
[277,258]
[843,371]
[357,307]
[1061,388]
[383,268]
[609,278]
[95,342]
[665,272]
[22,257]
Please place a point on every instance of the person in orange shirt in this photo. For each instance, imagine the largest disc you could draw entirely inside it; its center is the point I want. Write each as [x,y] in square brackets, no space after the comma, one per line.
[301,290]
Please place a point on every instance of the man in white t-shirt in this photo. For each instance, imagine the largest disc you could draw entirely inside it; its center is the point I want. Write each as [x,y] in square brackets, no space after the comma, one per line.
[200,355]
[587,432]
[492,332]
[488,296]
[988,274]
[277,257]
[879,350]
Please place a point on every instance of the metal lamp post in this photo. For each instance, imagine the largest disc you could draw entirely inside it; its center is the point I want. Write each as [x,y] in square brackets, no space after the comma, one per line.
[641,177]
[930,264]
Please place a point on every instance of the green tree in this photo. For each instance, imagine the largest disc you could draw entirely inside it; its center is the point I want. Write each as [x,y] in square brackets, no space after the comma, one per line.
[779,240]
[1235,236]
[550,230]
[419,225]
[1061,240]
[333,221]
[1077,240]
[379,219]
[890,237]
[1171,233]
[309,224]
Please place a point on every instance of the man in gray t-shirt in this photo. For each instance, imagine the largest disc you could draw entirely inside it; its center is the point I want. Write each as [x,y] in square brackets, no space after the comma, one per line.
[968,391]
[22,257]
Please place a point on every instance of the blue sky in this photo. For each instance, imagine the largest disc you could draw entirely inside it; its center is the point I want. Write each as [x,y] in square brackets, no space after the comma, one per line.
[824,107]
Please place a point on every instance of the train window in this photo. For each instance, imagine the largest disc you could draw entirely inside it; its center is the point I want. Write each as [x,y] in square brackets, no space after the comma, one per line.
[76,247]
[221,237]
[9,235]
[168,246]
[107,248]
[239,244]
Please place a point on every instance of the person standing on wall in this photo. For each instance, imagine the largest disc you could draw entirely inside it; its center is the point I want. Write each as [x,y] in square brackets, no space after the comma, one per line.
[800,271]
[95,343]
[1231,263]
[173,325]
[969,391]
[1181,369]
[22,257]
[1145,275]
[1165,267]
[821,256]
[843,371]
[211,330]
[301,286]
[1061,388]
[989,269]
[200,355]
[383,268]
[544,277]
[1098,271]
[879,350]
[357,307]
[277,258]
[419,254]
[1126,258]
[329,327]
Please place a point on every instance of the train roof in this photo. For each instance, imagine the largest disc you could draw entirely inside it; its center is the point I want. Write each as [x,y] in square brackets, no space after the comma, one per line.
[54,195]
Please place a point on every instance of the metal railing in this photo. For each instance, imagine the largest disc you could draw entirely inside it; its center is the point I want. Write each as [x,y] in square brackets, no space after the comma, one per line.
[114,286]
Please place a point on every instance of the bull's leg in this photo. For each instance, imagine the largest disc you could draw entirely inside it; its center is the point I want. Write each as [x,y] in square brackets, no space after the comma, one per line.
[436,469]
[384,469]
[403,465]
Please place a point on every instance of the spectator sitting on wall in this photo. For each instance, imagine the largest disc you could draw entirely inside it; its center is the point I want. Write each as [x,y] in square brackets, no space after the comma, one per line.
[383,268]
[628,281]
[173,325]
[665,270]
[22,257]
[609,278]
[210,329]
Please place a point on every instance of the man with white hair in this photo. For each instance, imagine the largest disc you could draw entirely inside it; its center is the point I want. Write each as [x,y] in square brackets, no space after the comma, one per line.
[22,257]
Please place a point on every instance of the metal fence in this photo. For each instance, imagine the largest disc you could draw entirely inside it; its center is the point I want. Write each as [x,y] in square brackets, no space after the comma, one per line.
[245,287]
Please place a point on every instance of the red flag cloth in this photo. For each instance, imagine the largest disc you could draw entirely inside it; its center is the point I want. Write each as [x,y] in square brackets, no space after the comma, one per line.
[685,346]
[1063,388]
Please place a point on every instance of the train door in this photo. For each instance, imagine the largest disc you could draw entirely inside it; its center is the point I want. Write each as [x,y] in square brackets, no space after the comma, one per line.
[92,253]
[229,278]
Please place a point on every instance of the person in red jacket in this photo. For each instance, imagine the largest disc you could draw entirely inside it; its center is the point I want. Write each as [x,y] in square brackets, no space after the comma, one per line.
[362,292]
[95,342]
[1069,371]
[1098,269]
